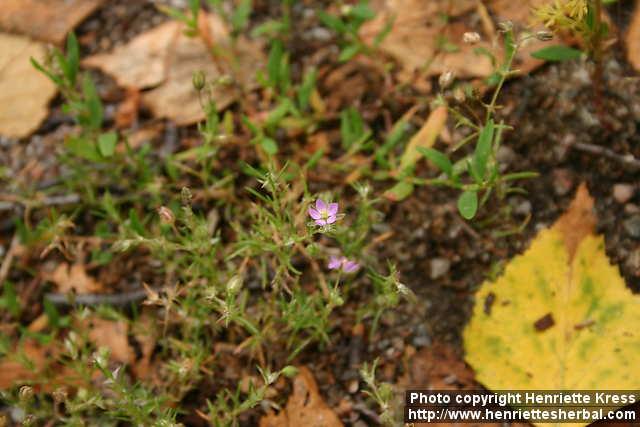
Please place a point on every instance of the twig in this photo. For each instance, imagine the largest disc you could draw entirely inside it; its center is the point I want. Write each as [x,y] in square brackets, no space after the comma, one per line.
[368,413]
[627,159]
[8,258]
[96,299]
[10,201]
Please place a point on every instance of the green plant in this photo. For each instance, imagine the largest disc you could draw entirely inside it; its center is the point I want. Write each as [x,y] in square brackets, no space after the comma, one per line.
[347,26]
[478,174]
[381,393]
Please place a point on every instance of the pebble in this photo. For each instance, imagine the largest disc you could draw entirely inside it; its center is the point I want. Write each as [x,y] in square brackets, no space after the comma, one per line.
[562,181]
[632,226]
[631,208]
[421,339]
[622,193]
[506,155]
[523,208]
[439,267]
[353,386]
[633,261]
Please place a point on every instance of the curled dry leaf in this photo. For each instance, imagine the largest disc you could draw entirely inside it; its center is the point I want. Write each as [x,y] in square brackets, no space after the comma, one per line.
[420,39]
[24,92]
[15,370]
[46,20]
[165,60]
[73,278]
[560,317]
[304,408]
[112,334]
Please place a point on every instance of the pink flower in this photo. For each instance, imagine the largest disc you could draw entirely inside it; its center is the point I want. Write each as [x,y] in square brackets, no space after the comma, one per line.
[343,264]
[324,214]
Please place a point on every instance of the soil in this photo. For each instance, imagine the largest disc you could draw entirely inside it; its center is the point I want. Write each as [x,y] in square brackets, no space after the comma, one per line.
[442,258]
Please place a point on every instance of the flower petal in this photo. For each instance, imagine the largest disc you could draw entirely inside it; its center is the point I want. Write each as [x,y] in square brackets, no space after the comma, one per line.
[313,213]
[350,266]
[331,219]
[332,209]
[321,222]
[334,262]
[321,205]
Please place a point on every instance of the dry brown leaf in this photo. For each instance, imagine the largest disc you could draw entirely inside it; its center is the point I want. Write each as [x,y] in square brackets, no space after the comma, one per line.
[24,91]
[127,112]
[579,221]
[73,278]
[419,28]
[437,367]
[46,20]
[144,334]
[166,58]
[112,334]
[14,371]
[633,39]
[304,408]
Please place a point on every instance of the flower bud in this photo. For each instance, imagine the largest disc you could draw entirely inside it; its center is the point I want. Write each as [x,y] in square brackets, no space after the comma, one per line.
[544,36]
[234,284]
[199,80]
[289,371]
[60,395]
[166,216]
[25,394]
[186,196]
[505,26]
[446,79]
[29,420]
[471,37]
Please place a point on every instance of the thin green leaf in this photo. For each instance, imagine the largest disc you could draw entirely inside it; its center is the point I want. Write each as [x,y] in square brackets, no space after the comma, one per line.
[557,53]
[438,159]
[468,204]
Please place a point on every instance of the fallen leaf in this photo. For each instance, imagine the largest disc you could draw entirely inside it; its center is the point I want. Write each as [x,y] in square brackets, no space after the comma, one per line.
[112,334]
[46,20]
[73,278]
[16,370]
[127,112]
[437,367]
[144,334]
[304,408]
[420,39]
[24,92]
[425,137]
[419,33]
[633,39]
[562,317]
[166,59]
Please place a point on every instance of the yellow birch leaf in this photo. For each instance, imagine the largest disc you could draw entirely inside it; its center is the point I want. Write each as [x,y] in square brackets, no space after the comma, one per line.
[560,317]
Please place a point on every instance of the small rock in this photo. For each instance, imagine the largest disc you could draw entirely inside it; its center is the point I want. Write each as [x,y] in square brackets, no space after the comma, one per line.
[562,181]
[632,226]
[523,208]
[622,193]
[631,208]
[506,155]
[633,261]
[353,386]
[439,267]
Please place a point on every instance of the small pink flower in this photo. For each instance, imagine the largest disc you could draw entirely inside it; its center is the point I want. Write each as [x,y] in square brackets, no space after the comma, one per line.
[324,214]
[334,262]
[342,263]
